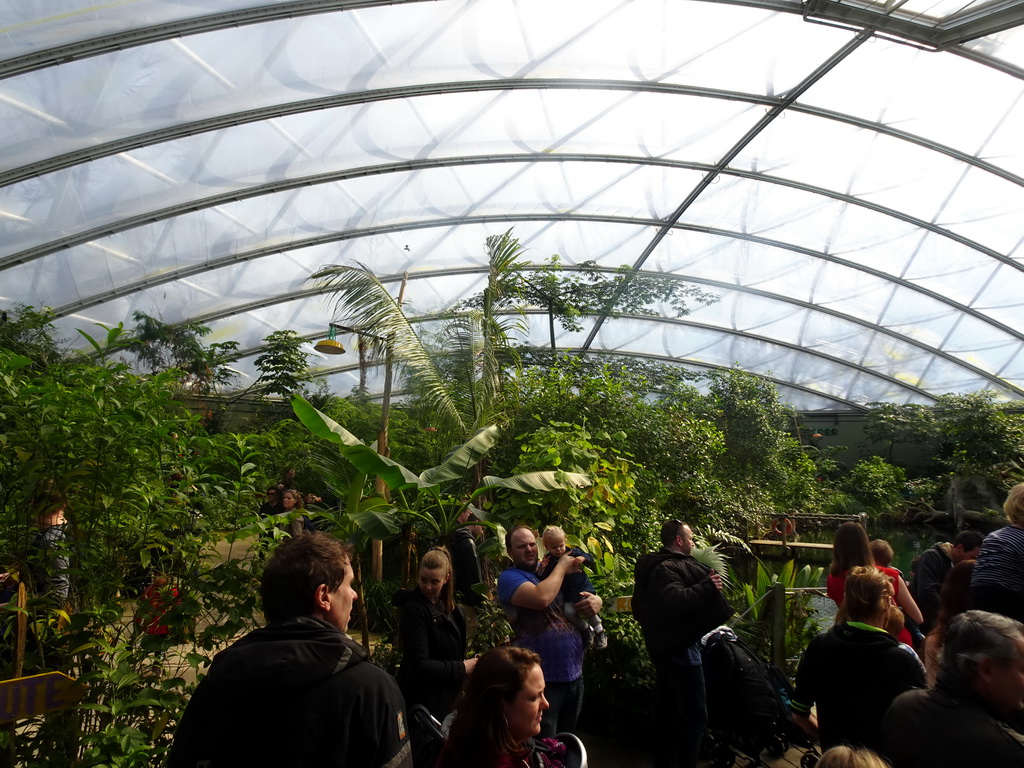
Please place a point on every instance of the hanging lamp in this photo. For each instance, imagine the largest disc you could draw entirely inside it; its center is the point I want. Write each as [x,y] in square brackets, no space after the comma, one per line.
[330,345]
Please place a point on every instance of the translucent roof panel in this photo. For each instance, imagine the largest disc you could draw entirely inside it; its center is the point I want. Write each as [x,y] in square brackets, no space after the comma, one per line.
[845,176]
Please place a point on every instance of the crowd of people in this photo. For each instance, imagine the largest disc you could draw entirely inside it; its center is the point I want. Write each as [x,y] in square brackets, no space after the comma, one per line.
[921,674]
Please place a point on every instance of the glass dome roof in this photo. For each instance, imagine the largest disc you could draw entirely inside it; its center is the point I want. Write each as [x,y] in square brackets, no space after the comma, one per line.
[847,177]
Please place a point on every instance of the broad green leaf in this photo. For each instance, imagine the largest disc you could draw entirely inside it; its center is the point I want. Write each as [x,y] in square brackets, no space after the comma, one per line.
[536,481]
[461,458]
[322,425]
[378,524]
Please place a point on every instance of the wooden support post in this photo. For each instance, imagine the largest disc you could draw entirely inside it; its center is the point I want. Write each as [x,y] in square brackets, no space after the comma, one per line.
[779,625]
[377,556]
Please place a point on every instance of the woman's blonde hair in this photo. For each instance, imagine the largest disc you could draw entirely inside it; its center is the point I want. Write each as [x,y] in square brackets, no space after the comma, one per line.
[843,756]
[1014,505]
[433,560]
[868,591]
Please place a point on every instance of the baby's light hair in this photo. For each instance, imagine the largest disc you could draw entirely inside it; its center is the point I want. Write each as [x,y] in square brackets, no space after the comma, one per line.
[552,530]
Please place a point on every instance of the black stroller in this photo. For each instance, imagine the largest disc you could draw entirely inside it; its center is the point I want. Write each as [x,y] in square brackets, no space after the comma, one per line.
[748,705]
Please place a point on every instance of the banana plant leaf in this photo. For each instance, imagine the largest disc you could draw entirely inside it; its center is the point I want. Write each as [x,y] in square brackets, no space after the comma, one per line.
[535,481]
[377,519]
[363,457]
[462,457]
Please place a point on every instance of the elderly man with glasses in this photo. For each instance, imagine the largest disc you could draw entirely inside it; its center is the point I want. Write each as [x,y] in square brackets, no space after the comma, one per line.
[677,601]
[973,715]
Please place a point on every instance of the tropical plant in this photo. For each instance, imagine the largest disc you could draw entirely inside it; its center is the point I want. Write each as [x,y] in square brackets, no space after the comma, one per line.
[421,498]
[460,379]
[135,472]
[162,346]
[560,447]
[588,289]
[876,483]
[801,624]
[283,365]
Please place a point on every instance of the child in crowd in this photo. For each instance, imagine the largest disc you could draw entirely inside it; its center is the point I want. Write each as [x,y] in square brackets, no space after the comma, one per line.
[882,552]
[573,584]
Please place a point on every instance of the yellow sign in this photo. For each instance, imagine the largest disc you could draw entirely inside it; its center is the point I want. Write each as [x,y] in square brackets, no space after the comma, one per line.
[27,696]
[623,604]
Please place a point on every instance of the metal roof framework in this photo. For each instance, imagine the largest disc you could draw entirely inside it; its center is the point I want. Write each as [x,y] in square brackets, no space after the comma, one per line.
[846,176]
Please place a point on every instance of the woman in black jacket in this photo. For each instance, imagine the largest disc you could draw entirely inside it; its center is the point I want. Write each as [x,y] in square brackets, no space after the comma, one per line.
[432,632]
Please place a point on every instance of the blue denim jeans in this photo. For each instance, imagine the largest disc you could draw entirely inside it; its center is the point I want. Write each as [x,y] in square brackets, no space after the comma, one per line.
[681,715]
[565,700]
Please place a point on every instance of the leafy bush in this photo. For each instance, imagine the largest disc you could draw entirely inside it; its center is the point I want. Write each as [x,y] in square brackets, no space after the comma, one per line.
[876,483]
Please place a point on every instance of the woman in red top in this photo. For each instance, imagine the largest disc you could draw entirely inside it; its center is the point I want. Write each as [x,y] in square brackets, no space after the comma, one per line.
[851,548]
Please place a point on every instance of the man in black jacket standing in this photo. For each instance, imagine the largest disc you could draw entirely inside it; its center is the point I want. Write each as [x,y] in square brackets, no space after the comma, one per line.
[298,692]
[677,601]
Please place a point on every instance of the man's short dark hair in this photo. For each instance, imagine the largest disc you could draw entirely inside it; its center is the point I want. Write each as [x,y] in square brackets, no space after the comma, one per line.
[976,635]
[968,540]
[669,531]
[297,568]
[513,529]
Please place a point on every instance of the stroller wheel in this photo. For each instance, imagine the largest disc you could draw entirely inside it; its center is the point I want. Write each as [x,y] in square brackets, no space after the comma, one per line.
[809,760]
[777,745]
[722,755]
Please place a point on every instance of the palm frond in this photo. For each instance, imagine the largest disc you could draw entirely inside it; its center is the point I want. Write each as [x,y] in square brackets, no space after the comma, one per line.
[366,303]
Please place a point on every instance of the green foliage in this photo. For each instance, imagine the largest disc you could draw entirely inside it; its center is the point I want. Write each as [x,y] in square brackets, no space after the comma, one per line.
[146,491]
[894,423]
[594,510]
[800,623]
[424,499]
[27,331]
[976,432]
[164,346]
[876,483]
[588,289]
[283,364]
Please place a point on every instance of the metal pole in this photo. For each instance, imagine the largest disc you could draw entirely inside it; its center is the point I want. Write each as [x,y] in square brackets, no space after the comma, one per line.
[779,625]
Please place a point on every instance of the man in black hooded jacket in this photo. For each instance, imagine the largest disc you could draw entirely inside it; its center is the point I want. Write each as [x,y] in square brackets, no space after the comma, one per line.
[677,601]
[298,692]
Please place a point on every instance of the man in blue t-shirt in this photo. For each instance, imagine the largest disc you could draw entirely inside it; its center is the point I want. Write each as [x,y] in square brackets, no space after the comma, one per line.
[534,609]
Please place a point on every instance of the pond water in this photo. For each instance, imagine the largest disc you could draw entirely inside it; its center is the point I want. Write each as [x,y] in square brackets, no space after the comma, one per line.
[907,542]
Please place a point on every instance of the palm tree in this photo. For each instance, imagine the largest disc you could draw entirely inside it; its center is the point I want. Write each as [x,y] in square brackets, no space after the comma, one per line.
[463,384]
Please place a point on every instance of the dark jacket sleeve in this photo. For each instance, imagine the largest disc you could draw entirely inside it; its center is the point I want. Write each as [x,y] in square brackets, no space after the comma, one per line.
[415,627]
[586,585]
[380,729]
[931,572]
[188,746]
[684,590]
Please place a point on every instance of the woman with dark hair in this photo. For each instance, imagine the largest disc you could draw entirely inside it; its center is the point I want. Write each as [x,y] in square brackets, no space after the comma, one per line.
[850,549]
[432,634]
[954,599]
[499,716]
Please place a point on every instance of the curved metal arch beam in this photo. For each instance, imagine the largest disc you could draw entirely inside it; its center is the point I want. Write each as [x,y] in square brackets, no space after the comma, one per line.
[185,272]
[220,122]
[790,98]
[274,300]
[250,351]
[133,38]
[169,212]
[850,405]
[100,44]
[994,381]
